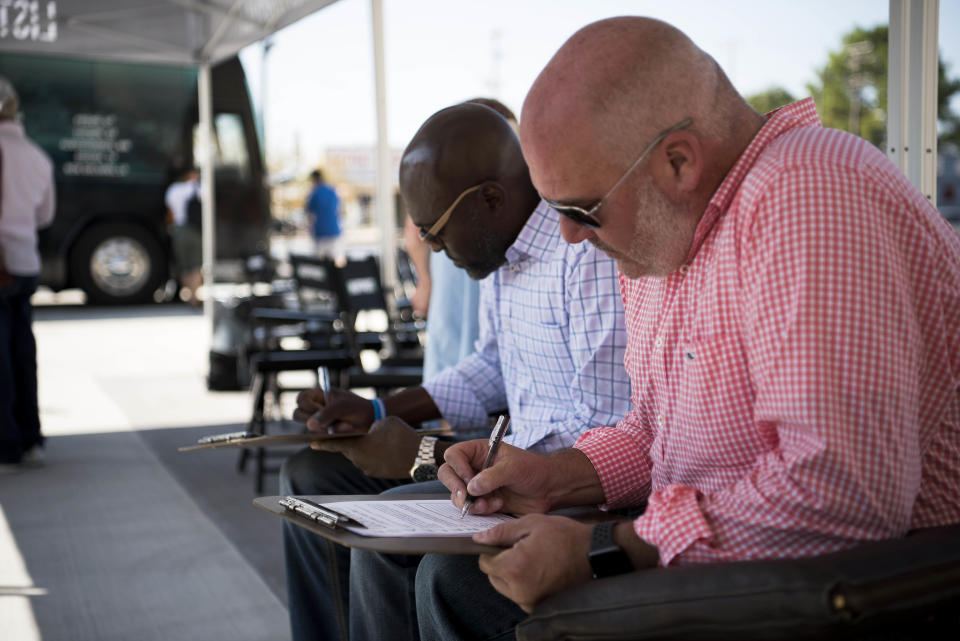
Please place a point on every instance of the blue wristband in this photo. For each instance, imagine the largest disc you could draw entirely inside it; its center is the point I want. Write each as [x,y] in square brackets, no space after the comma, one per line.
[379,409]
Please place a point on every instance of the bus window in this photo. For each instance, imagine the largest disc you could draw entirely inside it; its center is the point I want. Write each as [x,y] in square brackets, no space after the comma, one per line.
[231,157]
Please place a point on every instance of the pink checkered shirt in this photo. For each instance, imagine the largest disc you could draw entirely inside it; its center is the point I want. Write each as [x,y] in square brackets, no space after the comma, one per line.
[794,385]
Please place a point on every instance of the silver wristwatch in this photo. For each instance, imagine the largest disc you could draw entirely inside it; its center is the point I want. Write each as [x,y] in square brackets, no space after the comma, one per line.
[425,465]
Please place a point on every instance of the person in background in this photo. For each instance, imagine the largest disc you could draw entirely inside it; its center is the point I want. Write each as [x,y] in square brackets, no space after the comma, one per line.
[27,202]
[793,314]
[184,226]
[323,209]
[445,294]
[550,350]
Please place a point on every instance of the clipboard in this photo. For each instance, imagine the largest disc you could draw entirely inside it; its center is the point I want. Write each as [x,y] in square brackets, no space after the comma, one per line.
[386,544]
[244,439]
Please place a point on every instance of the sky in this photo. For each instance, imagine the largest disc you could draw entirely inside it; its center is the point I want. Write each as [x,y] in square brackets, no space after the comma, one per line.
[317,82]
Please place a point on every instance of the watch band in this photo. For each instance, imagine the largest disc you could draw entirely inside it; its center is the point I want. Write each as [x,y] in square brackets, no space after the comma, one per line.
[425,464]
[605,556]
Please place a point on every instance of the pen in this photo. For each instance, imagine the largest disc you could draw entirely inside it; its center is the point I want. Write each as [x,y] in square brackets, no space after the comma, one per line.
[323,381]
[223,438]
[314,512]
[495,437]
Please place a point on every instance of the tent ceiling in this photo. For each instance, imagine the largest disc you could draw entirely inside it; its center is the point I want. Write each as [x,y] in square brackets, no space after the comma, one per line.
[171,31]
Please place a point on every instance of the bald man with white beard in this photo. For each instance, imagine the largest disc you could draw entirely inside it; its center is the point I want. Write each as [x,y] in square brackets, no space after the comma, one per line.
[791,304]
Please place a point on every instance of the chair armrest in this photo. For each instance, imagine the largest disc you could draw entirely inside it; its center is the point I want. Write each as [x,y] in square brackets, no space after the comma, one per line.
[884,586]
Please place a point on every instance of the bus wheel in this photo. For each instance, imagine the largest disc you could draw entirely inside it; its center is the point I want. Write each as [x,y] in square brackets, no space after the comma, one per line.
[118,263]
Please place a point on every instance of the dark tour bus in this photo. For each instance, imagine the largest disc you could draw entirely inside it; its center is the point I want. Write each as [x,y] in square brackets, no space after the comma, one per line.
[118,134]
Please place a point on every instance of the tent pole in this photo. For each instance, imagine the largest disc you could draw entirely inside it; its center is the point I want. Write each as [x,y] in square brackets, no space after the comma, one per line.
[912,92]
[386,217]
[207,188]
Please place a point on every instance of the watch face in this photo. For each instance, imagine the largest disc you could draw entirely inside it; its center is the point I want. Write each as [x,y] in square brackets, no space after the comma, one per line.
[425,472]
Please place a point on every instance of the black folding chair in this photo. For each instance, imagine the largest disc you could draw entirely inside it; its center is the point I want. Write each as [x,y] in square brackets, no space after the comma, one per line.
[314,325]
[397,344]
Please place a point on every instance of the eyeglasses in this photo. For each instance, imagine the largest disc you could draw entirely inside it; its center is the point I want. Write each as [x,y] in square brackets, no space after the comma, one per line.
[430,235]
[587,217]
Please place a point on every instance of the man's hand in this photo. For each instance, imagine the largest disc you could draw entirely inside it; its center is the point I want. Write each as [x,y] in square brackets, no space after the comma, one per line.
[343,411]
[387,451]
[548,554]
[517,482]
[420,301]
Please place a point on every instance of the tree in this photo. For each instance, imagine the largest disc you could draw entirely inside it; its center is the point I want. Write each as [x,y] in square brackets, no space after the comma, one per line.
[852,90]
[768,100]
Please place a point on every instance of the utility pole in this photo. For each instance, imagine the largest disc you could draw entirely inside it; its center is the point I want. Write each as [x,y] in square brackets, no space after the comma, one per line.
[857,53]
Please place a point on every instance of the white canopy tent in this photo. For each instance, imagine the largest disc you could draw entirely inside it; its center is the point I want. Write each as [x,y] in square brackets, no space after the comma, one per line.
[203,32]
[192,32]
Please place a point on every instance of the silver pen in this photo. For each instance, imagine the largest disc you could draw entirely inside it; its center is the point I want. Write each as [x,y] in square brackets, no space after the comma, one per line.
[223,438]
[323,379]
[493,444]
[314,512]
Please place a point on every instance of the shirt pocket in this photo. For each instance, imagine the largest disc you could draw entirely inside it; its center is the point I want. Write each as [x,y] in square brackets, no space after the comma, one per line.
[713,422]
[543,349]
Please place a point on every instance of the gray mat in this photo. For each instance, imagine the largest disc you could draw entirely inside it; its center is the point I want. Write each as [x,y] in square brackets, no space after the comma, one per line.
[128,548]
[211,479]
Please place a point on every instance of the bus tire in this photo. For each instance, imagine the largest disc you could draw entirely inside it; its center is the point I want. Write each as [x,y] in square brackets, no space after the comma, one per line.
[118,264]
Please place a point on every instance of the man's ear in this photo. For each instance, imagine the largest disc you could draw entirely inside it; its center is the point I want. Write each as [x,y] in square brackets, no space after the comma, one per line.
[682,162]
[493,195]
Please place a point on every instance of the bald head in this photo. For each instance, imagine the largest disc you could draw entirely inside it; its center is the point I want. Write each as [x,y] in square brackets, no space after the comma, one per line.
[456,148]
[632,103]
[460,147]
[618,82]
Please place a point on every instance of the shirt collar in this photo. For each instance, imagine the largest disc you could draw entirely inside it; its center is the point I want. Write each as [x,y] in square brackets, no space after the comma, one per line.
[798,114]
[537,238]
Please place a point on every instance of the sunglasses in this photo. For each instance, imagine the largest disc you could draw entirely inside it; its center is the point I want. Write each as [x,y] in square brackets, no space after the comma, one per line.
[429,235]
[587,217]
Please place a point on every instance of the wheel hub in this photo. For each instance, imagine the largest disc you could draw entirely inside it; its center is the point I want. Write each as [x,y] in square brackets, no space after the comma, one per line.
[119,265]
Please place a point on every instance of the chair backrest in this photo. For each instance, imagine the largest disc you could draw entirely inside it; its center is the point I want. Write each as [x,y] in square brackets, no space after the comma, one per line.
[316,281]
[406,286]
[360,288]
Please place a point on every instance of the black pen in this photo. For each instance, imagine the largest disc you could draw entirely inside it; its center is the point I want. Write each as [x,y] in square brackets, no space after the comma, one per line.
[495,437]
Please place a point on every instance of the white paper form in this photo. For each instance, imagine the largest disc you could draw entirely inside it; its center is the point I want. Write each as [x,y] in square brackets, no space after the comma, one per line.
[410,518]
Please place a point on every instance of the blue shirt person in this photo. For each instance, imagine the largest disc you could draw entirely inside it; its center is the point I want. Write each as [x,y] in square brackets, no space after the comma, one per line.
[323,206]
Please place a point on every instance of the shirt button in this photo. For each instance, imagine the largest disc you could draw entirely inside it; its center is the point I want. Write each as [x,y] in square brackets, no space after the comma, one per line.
[684,269]
[660,420]
[658,342]
[514,268]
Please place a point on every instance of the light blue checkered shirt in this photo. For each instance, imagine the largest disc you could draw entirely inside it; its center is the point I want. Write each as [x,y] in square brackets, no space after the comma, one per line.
[551,345]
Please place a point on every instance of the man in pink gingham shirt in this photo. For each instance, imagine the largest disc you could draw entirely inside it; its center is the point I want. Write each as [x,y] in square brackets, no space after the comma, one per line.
[793,319]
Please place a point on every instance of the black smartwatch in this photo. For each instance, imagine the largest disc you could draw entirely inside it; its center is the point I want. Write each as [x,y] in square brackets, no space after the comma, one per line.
[606,557]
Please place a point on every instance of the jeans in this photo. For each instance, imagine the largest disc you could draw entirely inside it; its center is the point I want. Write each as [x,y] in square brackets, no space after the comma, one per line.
[455,600]
[384,584]
[19,410]
[318,569]
[433,597]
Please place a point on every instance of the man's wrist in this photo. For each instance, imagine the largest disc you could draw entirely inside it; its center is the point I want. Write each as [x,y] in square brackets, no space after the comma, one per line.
[642,554]
[573,480]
